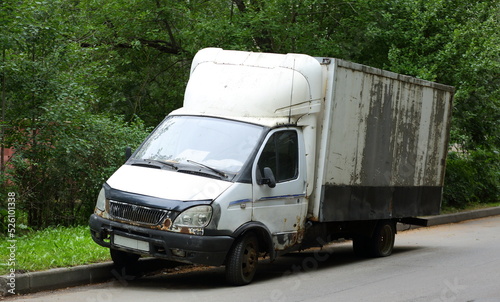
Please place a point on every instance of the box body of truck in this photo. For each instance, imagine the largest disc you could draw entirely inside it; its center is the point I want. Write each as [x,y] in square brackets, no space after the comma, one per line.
[274,153]
[383,145]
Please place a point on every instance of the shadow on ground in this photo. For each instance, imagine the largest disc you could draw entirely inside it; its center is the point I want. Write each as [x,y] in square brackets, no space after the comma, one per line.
[193,277]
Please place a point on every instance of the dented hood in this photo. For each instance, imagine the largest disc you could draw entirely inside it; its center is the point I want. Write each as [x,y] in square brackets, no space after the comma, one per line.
[166,184]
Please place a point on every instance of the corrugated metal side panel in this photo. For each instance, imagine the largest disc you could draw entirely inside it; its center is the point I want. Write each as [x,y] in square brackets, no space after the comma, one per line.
[387,145]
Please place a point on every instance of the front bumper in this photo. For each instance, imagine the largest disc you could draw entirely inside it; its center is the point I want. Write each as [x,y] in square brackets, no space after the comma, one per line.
[209,250]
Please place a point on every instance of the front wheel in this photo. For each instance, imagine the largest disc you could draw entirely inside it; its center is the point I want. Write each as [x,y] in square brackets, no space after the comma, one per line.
[242,260]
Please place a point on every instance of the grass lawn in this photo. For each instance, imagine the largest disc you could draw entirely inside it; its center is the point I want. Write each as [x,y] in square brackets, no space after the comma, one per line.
[51,248]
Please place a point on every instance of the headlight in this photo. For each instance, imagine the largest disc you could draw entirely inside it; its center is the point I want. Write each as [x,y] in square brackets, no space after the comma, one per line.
[196,217]
[101,201]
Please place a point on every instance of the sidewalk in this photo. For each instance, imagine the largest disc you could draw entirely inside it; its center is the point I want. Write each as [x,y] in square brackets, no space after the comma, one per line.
[100,272]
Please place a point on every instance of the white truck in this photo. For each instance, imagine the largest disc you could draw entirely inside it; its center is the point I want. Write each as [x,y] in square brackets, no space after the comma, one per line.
[275,153]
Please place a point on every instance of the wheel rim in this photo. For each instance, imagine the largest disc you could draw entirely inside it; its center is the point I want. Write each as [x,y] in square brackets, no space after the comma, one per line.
[249,262]
[386,240]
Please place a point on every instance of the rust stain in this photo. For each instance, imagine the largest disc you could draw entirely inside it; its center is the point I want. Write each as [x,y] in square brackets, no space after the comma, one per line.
[185,230]
[166,224]
[313,218]
[300,230]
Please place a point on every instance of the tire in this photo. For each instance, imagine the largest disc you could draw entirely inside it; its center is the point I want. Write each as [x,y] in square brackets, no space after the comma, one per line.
[241,263]
[382,241]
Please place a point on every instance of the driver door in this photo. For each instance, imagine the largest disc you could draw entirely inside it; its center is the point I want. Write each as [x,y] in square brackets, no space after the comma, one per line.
[282,205]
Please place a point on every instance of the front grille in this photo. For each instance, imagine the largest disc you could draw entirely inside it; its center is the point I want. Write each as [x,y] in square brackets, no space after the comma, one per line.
[135,213]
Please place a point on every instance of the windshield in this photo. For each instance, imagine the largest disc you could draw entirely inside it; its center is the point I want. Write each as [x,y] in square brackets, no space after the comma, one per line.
[215,143]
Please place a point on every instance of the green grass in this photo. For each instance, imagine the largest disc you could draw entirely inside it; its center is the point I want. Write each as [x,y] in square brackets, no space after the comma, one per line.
[51,248]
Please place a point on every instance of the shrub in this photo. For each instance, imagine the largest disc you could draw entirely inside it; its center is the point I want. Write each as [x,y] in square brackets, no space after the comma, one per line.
[63,158]
[472,177]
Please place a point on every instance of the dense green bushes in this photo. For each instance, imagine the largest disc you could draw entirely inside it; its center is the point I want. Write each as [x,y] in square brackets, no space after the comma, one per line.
[472,178]
[62,160]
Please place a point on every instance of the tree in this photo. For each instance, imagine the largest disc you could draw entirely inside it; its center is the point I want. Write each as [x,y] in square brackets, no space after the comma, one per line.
[64,149]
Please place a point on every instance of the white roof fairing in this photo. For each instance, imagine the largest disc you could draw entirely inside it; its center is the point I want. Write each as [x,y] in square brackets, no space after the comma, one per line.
[237,84]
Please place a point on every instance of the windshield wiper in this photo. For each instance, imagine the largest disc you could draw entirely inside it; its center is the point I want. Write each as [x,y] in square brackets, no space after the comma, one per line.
[165,163]
[149,163]
[218,172]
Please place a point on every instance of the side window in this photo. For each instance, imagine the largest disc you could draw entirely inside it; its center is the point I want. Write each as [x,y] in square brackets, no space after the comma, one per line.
[281,155]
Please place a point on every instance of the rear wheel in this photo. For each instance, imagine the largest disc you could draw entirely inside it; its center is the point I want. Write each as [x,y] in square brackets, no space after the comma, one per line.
[242,260]
[382,241]
[380,244]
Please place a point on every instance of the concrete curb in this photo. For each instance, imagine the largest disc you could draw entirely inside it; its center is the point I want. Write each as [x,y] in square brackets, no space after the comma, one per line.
[453,218]
[100,272]
[462,216]
[74,276]
[56,278]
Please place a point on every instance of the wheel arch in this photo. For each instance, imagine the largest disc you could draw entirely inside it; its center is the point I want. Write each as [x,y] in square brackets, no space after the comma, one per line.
[263,235]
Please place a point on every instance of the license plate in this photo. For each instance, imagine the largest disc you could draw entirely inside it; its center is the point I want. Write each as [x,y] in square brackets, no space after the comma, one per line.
[131,243]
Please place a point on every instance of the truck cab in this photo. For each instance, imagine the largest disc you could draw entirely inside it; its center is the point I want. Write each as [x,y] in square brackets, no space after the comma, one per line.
[219,176]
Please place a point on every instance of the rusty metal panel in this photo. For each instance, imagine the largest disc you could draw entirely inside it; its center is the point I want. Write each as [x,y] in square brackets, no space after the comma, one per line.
[387,145]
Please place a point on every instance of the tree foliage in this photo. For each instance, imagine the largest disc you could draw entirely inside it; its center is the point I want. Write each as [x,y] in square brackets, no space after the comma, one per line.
[64,146]
[78,77]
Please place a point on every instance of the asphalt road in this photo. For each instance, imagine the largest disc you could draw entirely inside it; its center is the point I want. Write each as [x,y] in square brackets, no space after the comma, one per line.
[453,262]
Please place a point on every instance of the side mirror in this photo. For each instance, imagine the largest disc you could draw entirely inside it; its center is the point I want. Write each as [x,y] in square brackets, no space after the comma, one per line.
[128,153]
[268,178]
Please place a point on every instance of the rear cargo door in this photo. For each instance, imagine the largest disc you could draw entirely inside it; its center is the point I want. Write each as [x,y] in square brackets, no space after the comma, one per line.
[281,208]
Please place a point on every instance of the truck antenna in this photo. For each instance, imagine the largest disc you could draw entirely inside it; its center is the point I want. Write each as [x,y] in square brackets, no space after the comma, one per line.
[291,94]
